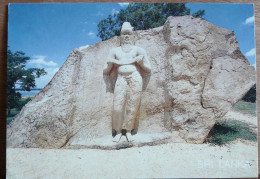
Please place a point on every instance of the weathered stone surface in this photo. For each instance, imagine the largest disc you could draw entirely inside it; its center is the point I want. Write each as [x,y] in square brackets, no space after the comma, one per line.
[198,73]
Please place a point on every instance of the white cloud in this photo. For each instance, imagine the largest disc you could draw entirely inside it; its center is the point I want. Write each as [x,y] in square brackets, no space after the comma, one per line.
[49,67]
[91,34]
[40,60]
[251,52]
[249,20]
[114,11]
[44,80]
[82,47]
[124,4]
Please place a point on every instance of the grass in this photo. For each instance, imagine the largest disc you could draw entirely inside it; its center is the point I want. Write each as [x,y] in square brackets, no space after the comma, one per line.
[245,107]
[226,131]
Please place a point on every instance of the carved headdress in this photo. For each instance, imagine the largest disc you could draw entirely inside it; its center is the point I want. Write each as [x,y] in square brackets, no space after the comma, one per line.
[126,27]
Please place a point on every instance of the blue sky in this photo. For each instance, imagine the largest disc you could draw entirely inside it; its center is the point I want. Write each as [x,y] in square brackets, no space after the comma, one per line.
[49,32]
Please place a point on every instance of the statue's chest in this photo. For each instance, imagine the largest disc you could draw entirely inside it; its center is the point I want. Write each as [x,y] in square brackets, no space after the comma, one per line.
[121,55]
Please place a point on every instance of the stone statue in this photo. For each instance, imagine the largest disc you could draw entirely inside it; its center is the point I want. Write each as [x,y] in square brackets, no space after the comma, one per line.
[130,62]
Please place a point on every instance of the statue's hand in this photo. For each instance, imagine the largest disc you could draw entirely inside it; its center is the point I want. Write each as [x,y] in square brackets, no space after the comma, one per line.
[139,59]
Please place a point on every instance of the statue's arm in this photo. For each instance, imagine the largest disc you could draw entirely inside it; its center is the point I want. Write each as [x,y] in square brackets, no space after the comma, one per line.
[143,61]
[109,63]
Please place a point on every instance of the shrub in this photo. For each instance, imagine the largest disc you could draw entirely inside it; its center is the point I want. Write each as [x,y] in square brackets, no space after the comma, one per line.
[226,131]
[251,95]
[245,107]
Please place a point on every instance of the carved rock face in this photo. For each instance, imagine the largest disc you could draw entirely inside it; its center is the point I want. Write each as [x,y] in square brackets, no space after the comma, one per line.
[198,73]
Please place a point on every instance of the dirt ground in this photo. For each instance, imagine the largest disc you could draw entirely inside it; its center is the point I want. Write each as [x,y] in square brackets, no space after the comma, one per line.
[173,160]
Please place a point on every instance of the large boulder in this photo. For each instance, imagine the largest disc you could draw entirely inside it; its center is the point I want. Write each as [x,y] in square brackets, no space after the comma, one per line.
[198,73]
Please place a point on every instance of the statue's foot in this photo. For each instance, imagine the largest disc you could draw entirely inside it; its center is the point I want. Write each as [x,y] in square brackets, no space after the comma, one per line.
[123,131]
[114,132]
[117,138]
[130,137]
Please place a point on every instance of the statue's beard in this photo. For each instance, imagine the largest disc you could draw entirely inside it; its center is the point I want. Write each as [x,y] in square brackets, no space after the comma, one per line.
[129,42]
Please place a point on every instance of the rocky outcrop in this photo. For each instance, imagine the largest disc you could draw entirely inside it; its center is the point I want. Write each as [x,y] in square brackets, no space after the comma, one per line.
[198,73]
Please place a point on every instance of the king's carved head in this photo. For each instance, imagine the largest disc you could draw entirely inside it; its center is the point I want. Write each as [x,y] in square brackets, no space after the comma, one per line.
[127,34]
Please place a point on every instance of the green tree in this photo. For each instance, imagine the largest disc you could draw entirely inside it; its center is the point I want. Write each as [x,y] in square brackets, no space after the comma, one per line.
[142,16]
[18,74]
[250,96]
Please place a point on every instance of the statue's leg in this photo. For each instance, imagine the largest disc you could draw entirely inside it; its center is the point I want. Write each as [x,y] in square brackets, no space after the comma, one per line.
[133,100]
[119,104]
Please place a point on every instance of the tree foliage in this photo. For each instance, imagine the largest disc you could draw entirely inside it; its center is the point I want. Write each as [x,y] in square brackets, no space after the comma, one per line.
[18,74]
[142,16]
[251,95]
